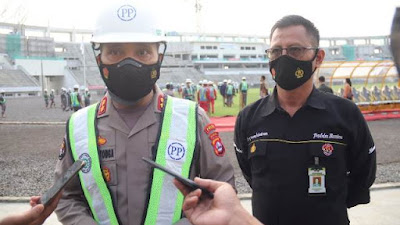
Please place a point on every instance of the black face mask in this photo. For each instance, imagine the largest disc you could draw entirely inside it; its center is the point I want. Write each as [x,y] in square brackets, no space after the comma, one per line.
[291,73]
[129,79]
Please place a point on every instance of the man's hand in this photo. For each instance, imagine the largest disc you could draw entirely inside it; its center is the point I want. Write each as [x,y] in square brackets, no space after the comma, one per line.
[225,208]
[35,216]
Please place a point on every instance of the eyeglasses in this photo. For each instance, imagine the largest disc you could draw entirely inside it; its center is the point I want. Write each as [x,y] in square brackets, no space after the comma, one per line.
[294,51]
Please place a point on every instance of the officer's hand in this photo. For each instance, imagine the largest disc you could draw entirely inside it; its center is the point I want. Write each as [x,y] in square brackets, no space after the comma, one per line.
[225,208]
[35,216]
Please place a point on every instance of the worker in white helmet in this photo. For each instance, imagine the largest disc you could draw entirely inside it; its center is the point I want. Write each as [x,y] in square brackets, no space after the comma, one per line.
[203,96]
[46,98]
[52,103]
[76,99]
[87,97]
[133,120]
[243,87]
[3,103]
[64,99]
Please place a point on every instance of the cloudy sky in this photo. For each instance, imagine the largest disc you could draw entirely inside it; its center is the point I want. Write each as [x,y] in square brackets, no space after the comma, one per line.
[252,17]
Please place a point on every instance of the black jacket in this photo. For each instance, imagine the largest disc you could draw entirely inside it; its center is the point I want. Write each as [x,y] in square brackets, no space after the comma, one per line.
[275,151]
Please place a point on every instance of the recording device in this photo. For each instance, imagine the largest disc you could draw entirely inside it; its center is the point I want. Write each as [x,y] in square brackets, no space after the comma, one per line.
[49,195]
[187,182]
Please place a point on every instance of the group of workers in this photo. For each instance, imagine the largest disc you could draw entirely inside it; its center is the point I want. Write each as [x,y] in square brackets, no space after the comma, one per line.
[70,100]
[307,156]
[206,93]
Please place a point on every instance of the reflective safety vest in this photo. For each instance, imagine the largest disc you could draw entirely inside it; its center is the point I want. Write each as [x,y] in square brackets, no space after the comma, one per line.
[244,86]
[74,99]
[229,90]
[212,92]
[188,92]
[175,150]
[203,94]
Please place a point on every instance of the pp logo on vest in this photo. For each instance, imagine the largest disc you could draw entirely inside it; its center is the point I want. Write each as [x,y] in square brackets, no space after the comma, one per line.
[176,151]
[126,12]
[88,162]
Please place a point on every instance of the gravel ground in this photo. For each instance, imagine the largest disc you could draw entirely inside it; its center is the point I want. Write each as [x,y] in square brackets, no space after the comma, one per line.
[28,153]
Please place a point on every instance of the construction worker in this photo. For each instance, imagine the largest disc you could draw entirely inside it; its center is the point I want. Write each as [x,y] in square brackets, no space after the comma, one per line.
[222,91]
[87,97]
[243,92]
[76,100]
[230,92]
[64,101]
[188,91]
[133,120]
[52,103]
[213,95]
[69,99]
[3,103]
[203,96]
[46,98]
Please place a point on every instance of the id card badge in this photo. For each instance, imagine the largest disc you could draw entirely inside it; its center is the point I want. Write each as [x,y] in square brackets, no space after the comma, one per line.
[316,176]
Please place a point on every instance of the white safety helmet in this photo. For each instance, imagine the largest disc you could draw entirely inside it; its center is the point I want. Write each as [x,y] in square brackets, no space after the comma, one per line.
[243,78]
[45,90]
[76,86]
[188,81]
[86,89]
[52,90]
[128,21]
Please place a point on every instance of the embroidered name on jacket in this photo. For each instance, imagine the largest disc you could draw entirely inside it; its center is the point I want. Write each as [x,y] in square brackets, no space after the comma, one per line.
[106,153]
[328,136]
[257,135]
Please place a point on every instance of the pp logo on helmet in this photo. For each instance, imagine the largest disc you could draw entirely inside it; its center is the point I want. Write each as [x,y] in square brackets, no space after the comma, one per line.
[126,13]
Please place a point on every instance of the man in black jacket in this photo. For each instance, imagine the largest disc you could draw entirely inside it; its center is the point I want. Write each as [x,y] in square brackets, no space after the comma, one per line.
[322,87]
[308,156]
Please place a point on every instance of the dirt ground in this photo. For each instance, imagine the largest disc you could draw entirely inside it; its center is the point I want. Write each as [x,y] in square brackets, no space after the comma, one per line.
[28,153]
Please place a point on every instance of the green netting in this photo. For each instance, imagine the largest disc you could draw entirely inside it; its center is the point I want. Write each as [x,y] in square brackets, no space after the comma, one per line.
[13,45]
[349,52]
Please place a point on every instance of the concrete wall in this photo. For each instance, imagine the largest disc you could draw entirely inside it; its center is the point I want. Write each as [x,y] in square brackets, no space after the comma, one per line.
[50,67]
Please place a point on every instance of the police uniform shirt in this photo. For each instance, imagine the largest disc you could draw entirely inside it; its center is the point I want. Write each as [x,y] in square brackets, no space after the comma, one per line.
[121,150]
[275,151]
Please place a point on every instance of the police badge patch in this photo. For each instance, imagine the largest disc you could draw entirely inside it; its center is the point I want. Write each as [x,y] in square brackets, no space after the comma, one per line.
[327,149]
[88,162]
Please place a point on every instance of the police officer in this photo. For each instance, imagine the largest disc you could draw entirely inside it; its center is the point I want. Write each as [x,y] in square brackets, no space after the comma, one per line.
[307,156]
[134,120]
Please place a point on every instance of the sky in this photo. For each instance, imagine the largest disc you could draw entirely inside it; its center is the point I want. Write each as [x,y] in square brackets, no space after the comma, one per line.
[335,18]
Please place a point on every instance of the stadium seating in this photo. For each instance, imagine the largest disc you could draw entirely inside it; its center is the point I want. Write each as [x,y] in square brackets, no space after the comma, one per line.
[376,94]
[16,78]
[387,94]
[365,95]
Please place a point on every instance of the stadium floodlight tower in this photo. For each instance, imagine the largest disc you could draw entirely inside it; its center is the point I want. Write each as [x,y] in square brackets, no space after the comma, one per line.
[198,7]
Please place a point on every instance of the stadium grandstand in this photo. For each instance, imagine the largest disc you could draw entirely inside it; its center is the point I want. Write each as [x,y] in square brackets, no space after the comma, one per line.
[34,58]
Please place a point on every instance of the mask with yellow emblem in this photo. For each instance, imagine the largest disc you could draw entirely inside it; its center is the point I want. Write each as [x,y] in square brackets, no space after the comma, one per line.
[291,73]
[129,79]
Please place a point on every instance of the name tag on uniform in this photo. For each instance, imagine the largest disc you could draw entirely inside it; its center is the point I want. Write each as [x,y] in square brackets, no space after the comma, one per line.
[316,176]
